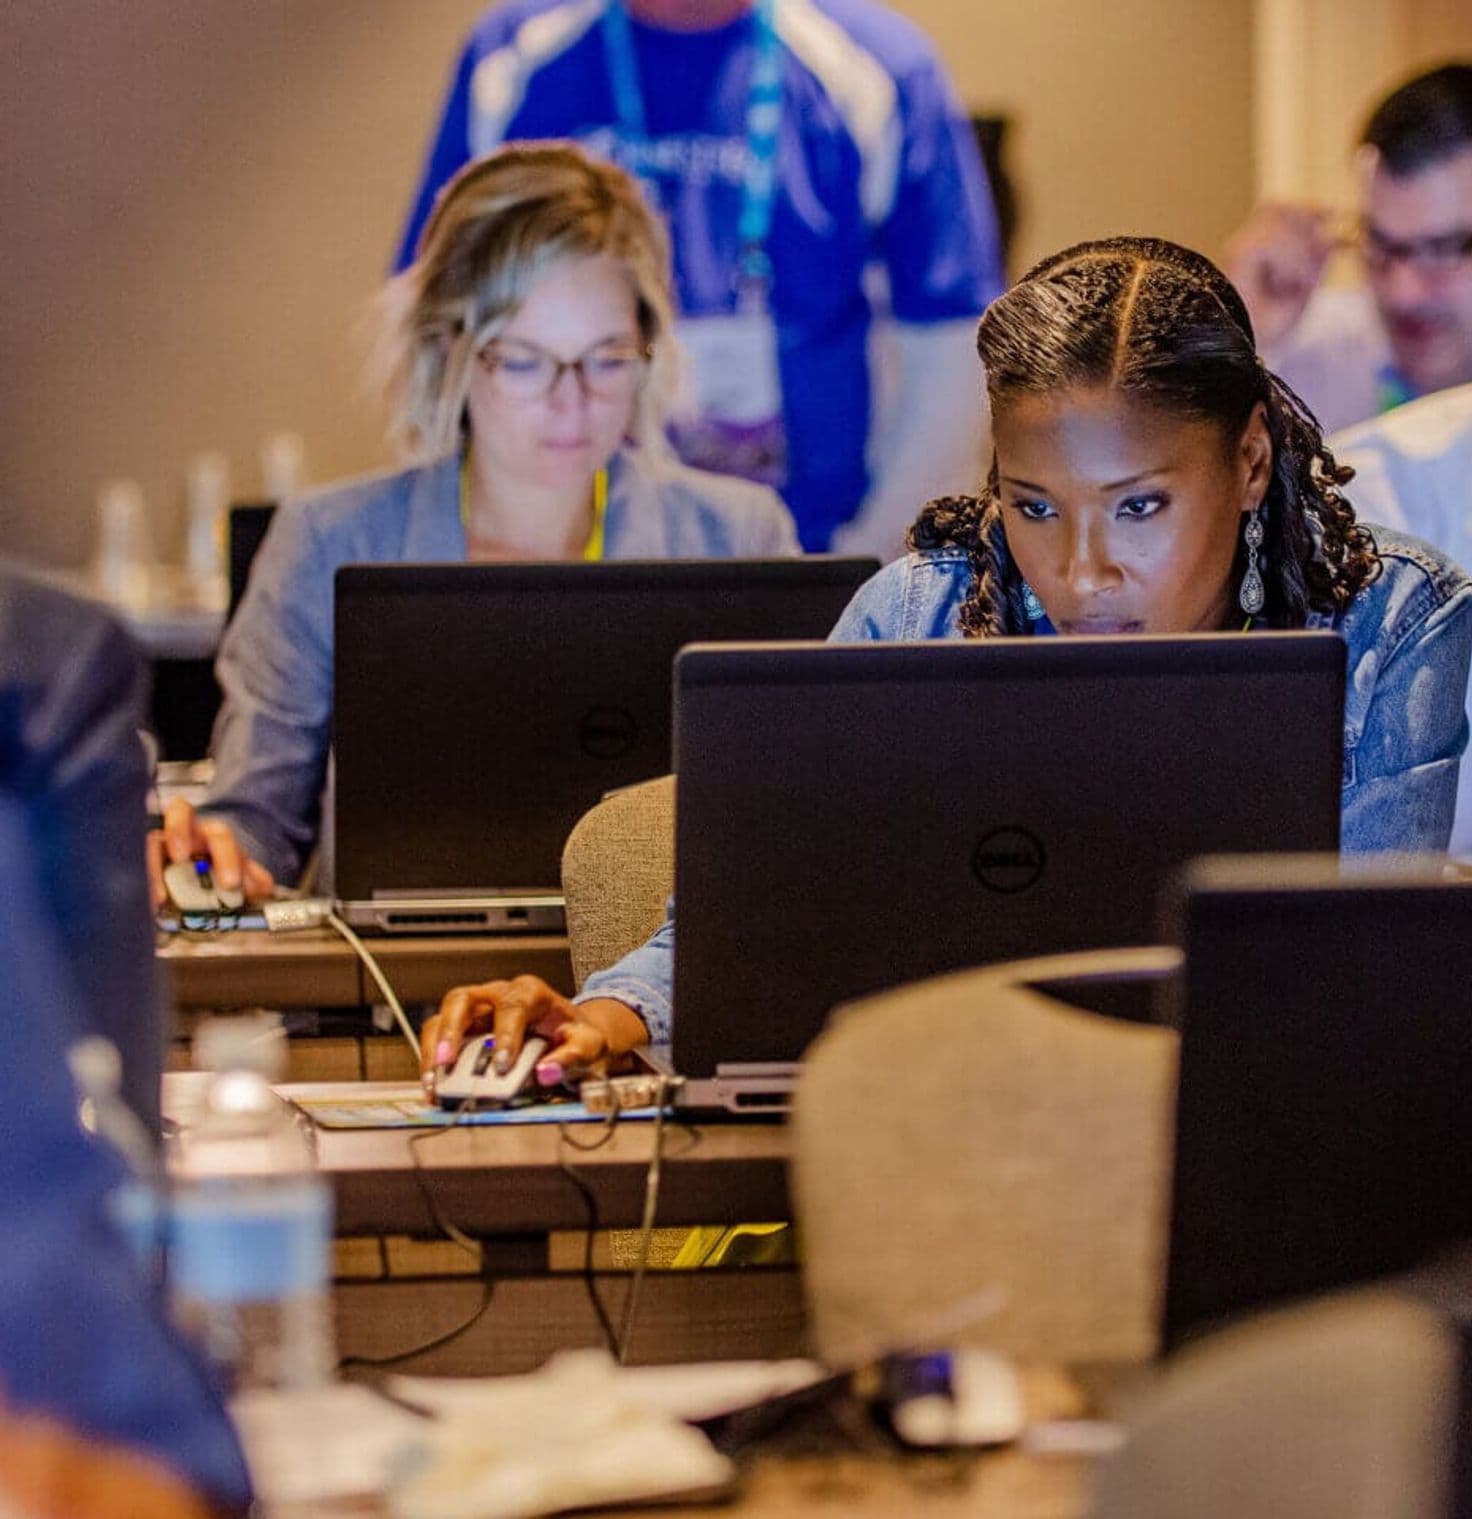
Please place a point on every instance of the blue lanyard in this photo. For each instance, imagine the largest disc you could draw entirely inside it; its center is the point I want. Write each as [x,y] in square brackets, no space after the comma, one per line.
[763,118]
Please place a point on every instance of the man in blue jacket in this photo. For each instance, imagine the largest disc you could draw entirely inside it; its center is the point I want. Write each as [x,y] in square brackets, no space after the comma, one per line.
[84,1341]
[73,696]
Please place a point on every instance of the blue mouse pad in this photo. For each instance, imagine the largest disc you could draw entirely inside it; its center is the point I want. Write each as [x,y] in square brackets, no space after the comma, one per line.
[413,1112]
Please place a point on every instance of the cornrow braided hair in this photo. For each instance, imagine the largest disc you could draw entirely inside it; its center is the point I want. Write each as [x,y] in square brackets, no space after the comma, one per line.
[1163,324]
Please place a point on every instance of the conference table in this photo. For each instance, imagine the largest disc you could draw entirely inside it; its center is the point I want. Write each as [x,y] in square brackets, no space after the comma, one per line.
[249,967]
[529,1197]
[837,1484]
[509,1188]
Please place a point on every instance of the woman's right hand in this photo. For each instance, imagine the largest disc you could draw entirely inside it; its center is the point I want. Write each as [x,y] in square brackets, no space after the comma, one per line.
[582,1036]
[187,836]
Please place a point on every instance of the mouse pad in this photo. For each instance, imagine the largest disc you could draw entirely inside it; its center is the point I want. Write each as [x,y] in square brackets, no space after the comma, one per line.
[409,1110]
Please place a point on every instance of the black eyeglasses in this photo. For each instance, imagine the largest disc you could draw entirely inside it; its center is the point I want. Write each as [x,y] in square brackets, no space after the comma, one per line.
[1442,254]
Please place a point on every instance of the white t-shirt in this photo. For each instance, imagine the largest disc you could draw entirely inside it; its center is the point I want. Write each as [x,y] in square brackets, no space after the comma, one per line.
[1413,471]
[1336,357]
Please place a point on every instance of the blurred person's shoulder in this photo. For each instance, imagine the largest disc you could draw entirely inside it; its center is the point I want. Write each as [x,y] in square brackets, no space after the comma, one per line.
[373,514]
[902,44]
[700,511]
[47,628]
[499,23]
[1334,358]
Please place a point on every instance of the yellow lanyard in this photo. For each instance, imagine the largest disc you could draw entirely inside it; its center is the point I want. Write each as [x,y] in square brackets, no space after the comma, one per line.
[592,549]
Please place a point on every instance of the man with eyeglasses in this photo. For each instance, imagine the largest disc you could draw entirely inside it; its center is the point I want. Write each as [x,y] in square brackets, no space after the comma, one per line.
[1353,353]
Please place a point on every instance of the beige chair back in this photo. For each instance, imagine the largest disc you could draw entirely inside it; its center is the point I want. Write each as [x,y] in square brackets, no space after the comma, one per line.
[971,1138]
[1343,1409]
[618,871]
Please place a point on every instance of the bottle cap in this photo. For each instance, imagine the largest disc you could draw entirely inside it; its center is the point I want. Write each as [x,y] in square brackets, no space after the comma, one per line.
[96,1066]
[242,1042]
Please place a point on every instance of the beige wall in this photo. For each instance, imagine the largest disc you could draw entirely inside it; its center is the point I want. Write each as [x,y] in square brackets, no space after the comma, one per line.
[1308,121]
[208,192]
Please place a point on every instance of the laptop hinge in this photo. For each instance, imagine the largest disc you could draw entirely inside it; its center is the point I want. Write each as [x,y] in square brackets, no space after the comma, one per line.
[757,1087]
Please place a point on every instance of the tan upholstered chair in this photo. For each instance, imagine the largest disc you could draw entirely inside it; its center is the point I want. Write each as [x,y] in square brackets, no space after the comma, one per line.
[618,871]
[970,1136]
[1340,1410]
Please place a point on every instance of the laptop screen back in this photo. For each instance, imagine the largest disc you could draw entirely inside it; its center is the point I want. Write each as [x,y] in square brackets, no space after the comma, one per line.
[1322,1132]
[851,818]
[480,710]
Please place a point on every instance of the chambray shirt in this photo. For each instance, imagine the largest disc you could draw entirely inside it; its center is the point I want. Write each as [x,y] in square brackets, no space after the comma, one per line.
[1410,640]
[1413,471]
[275,667]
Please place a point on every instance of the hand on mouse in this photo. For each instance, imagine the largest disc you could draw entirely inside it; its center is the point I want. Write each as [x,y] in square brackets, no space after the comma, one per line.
[185,836]
[583,1037]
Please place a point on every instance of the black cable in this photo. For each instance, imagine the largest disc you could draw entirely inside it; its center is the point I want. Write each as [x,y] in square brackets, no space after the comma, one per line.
[488,1291]
[590,1204]
[601,1137]
[455,1235]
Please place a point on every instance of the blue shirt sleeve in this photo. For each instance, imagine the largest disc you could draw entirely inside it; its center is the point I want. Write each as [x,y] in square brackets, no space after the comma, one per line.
[275,674]
[643,980]
[941,242]
[448,153]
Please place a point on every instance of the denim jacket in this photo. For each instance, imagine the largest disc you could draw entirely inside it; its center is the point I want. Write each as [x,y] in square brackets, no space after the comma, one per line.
[1410,639]
[270,743]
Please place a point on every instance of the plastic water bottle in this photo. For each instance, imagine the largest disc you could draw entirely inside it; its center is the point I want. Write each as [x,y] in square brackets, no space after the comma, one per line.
[122,563]
[135,1204]
[208,494]
[251,1223]
[283,465]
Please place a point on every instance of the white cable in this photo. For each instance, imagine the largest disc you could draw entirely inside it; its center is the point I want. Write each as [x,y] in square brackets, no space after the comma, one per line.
[379,980]
[646,1224]
[294,913]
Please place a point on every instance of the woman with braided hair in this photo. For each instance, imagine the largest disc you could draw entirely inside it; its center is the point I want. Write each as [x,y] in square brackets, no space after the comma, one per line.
[1150,476]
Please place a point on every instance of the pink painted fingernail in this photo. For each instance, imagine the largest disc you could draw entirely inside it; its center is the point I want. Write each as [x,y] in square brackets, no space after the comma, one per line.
[443,1054]
[550,1074]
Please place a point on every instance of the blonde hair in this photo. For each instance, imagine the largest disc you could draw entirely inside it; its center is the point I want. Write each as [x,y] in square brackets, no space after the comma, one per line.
[500,224]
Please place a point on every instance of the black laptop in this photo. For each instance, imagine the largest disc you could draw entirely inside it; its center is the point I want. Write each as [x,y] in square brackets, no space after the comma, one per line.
[479,710]
[851,818]
[1324,1113]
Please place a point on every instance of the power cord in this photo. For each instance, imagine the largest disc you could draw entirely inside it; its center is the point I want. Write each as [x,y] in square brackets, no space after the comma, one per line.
[646,1224]
[292,914]
[399,1357]
[379,979]
[590,1206]
[618,1343]
[457,1237]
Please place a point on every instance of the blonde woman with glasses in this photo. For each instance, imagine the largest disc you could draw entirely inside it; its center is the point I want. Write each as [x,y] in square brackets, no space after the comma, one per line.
[526,353]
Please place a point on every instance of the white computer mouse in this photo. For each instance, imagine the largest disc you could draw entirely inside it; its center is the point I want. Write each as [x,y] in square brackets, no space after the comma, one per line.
[473,1078]
[959,1398]
[194,893]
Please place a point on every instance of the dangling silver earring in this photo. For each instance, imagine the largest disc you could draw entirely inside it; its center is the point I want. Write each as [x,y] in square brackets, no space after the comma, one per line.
[1252,595]
[1031,605]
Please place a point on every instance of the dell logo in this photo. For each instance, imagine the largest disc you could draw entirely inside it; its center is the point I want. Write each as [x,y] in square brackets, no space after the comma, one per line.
[1009,860]
[607,732]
